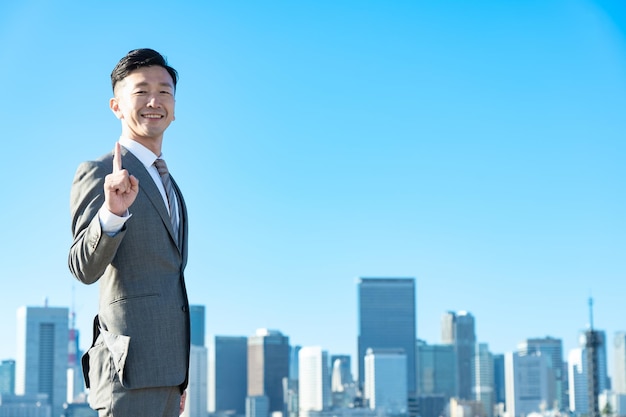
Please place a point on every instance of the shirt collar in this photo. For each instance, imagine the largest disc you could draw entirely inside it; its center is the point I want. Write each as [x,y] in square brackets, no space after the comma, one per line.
[145,155]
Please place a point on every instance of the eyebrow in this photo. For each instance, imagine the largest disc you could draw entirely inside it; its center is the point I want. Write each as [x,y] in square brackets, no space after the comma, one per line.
[145,83]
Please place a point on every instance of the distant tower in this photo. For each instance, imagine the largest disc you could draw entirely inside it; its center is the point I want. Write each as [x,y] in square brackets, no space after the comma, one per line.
[198,378]
[619,373]
[552,349]
[42,354]
[588,371]
[268,364]
[387,320]
[436,370]
[7,376]
[76,381]
[342,383]
[592,344]
[197,315]
[385,381]
[458,329]
[228,374]
[313,380]
[484,385]
[526,383]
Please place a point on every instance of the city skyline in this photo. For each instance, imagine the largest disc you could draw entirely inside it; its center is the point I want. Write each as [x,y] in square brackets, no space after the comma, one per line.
[477,147]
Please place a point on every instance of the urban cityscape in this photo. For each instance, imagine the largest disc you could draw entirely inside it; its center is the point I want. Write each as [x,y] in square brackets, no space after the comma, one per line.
[395,373]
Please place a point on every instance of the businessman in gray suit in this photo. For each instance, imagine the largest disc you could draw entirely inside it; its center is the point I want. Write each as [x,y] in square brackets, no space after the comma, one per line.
[129,224]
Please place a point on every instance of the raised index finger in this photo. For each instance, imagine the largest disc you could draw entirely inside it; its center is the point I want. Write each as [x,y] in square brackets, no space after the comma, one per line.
[117,158]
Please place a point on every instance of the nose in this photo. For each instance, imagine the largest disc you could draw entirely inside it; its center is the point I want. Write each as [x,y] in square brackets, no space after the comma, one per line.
[153,101]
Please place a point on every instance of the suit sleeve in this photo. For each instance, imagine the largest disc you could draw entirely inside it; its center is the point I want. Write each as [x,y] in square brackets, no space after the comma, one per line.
[92,251]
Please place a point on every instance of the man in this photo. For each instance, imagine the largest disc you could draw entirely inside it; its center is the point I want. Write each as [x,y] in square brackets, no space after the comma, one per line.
[130,234]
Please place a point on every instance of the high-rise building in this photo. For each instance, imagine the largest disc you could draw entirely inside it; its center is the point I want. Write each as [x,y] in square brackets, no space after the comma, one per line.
[313,380]
[578,401]
[582,371]
[483,386]
[387,320]
[498,379]
[457,329]
[197,317]
[268,364]
[526,383]
[385,381]
[198,368]
[342,385]
[42,354]
[228,374]
[75,378]
[436,370]
[619,371]
[552,349]
[7,376]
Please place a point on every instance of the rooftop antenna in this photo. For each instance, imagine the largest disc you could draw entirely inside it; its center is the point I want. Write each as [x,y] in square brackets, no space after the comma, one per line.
[590,313]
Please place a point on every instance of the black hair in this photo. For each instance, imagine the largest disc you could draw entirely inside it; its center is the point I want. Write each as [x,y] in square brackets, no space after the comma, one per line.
[138,58]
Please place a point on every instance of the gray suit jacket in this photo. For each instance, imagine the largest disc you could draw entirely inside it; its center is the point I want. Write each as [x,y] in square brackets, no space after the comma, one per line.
[143,307]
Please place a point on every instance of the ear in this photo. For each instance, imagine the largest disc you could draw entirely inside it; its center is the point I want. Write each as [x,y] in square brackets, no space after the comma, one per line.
[114,105]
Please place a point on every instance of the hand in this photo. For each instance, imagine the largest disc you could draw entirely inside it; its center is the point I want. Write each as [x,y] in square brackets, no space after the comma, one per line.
[183,399]
[120,188]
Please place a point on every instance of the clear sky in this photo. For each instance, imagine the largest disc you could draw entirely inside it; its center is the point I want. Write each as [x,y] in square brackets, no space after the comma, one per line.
[477,146]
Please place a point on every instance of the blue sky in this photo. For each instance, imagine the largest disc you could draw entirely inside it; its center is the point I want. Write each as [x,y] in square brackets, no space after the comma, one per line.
[476,146]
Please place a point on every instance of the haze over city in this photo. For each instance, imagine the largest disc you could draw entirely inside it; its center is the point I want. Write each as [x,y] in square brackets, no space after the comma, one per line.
[478,147]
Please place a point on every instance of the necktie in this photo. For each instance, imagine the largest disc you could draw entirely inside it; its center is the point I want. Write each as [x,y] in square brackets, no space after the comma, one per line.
[161,166]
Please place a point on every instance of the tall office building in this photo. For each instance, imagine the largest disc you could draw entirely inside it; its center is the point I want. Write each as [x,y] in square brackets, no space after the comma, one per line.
[498,379]
[619,371]
[342,385]
[7,376]
[313,380]
[552,349]
[483,386]
[582,394]
[42,354]
[75,378]
[436,370]
[526,383]
[268,364]
[578,401]
[198,367]
[197,316]
[385,381]
[457,329]
[228,374]
[387,320]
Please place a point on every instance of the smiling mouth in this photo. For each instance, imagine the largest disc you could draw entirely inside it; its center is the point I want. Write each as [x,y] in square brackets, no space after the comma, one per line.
[152,116]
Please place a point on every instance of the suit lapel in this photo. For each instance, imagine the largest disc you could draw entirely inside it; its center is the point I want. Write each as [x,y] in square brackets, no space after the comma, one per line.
[148,187]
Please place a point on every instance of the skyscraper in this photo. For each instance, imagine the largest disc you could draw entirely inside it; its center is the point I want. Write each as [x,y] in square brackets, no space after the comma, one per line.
[385,381]
[7,376]
[436,370]
[228,374]
[619,371]
[268,364]
[313,380]
[342,385]
[484,384]
[387,319]
[457,329]
[197,317]
[42,353]
[552,349]
[198,378]
[583,396]
[526,383]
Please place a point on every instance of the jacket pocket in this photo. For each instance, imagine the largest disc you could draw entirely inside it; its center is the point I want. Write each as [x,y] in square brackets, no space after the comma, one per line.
[100,375]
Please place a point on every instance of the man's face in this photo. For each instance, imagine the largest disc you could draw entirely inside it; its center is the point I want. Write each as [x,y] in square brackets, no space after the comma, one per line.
[144,102]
